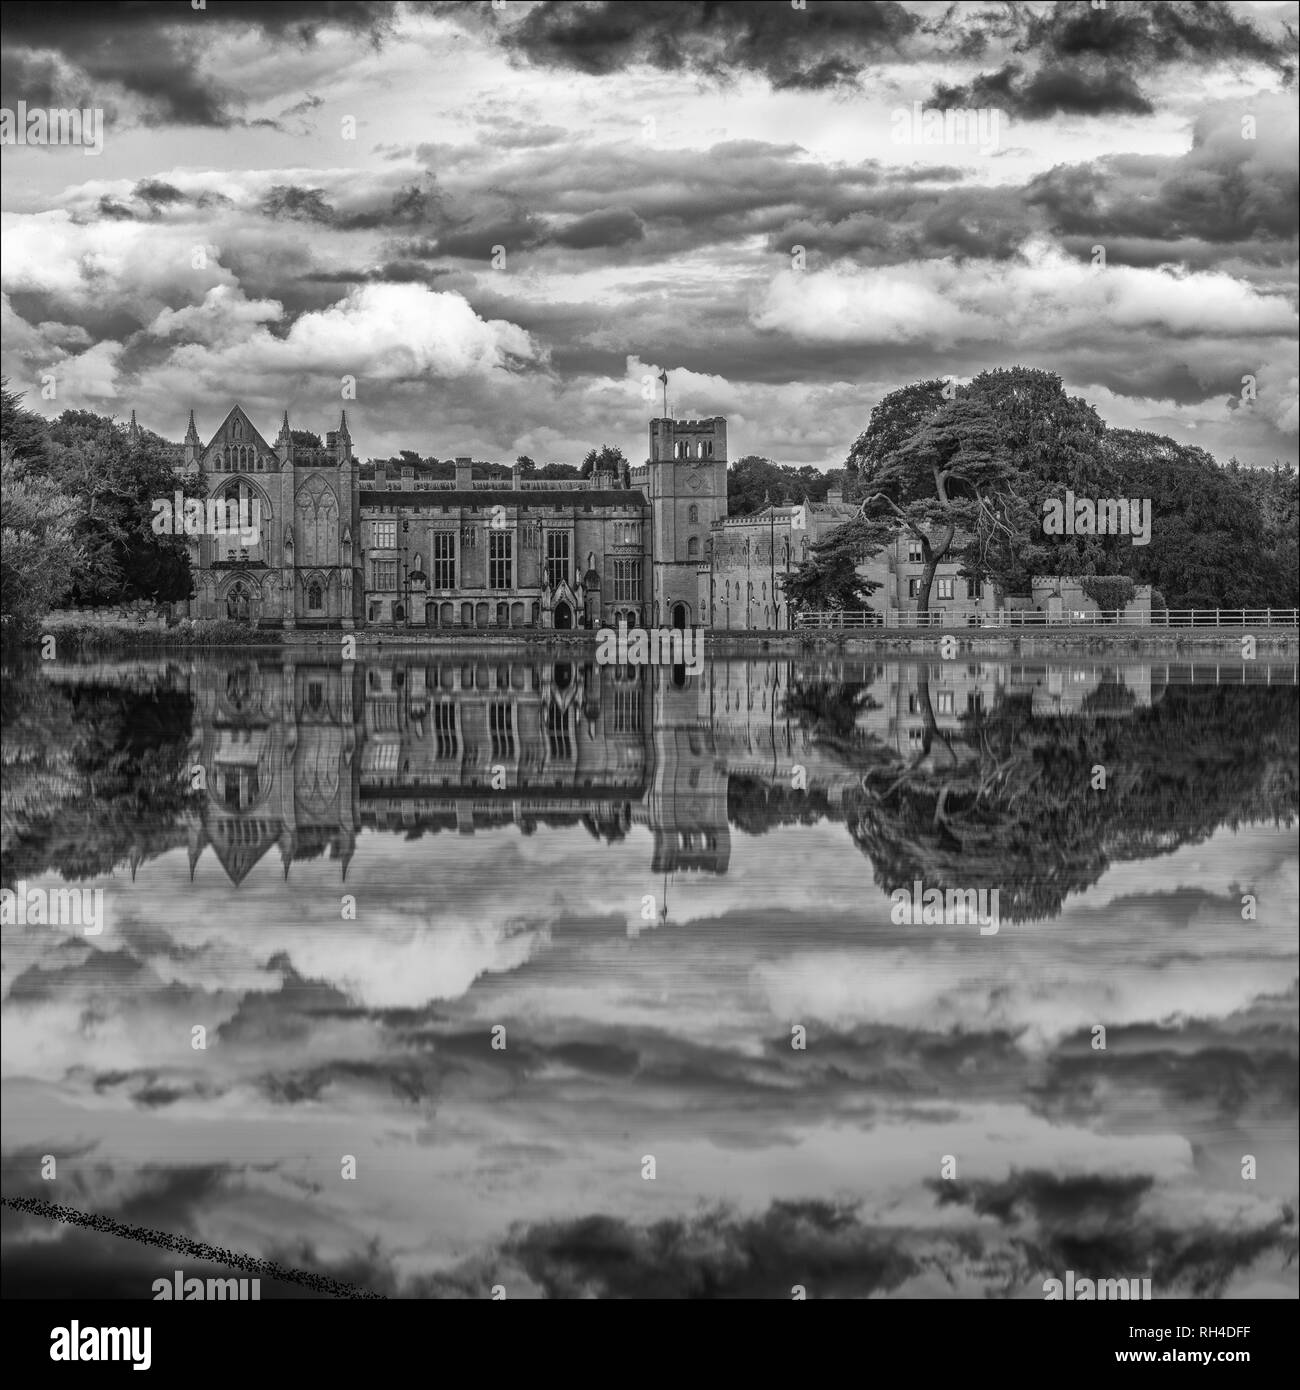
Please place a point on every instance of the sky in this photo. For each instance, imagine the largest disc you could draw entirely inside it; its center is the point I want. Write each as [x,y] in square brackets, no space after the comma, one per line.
[504,223]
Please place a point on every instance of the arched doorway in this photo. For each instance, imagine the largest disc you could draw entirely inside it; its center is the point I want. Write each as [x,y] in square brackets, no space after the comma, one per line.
[679,615]
[563,615]
[238,603]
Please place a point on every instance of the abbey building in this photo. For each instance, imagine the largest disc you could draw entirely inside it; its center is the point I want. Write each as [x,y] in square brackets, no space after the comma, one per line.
[344,546]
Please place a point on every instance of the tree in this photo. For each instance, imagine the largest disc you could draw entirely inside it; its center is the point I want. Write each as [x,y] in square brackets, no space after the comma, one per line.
[941,479]
[306,439]
[1209,543]
[829,578]
[527,468]
[39,552]
[827,582]
[1110,592]
[114,480]
[607,459]
[894,420]
[23,433]
[752,481]
[1049,442]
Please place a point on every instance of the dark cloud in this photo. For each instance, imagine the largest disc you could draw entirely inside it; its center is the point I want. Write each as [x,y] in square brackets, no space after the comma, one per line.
[1048,92]
[153,51]
[615,227]
[715,1254]
[1101,1226]
[1074,59]
[1212,194]
[1071,58]
[824,45]
[300,204]
[1145,32]
[158,193]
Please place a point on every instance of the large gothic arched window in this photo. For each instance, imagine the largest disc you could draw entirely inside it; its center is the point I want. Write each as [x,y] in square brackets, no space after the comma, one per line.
[238,603]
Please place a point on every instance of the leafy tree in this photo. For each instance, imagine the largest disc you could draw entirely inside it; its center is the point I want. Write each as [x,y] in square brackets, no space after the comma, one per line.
[527,468]
[893,421]
[1049,442]
[829,578]
[39,551]
[306,439]
[1110,592]
[941,479]
[753,481]
[607,459]
[24,434]
[1207,532]
[114,480]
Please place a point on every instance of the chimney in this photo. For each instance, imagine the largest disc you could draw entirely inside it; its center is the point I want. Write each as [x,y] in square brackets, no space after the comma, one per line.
[408,477]
[835,496]
[464,473]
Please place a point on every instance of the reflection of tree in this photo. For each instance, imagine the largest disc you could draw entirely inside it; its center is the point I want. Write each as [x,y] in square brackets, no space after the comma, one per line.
[93,775]
[1006,801]
[1015,809]
[756,805]
[830,711]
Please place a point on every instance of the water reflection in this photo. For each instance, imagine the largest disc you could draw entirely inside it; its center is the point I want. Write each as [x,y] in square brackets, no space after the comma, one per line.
[974,773]
[649,882]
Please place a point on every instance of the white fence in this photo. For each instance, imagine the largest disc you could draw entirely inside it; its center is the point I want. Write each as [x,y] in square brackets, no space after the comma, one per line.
[1036,618]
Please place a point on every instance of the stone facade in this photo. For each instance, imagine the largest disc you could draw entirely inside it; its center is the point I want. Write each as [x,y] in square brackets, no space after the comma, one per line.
[302,570]
[401,549]
[740,585]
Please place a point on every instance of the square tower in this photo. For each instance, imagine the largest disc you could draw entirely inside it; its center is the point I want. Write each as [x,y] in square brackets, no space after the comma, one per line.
[686,482]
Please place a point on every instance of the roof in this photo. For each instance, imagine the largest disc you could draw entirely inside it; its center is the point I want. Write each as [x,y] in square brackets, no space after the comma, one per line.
[504,497]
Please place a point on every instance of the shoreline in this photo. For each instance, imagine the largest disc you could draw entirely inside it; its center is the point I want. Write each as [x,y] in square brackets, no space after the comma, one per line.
[1273,641]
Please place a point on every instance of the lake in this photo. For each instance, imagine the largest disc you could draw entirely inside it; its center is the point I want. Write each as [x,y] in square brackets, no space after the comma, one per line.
[475,975]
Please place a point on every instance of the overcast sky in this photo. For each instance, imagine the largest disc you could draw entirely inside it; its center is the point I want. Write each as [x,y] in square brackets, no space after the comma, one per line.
[648,169]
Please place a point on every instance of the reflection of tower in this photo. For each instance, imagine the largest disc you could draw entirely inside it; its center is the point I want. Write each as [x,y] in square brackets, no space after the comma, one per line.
[686,806]
[323,703]
[276,748]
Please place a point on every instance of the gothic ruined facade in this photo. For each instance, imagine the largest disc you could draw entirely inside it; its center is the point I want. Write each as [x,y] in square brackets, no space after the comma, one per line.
[303,569]
[343,549]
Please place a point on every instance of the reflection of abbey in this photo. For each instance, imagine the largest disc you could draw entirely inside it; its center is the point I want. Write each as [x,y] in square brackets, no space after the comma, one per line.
[301,758]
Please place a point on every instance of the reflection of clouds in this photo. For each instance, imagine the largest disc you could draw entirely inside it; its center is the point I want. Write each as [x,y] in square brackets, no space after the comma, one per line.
[372,1038]
[948,993]
[418,963]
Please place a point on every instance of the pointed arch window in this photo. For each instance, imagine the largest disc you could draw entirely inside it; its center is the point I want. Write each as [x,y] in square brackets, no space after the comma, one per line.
[315,599]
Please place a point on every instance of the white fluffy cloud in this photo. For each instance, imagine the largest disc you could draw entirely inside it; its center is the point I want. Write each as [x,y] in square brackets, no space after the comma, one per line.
[1038,299]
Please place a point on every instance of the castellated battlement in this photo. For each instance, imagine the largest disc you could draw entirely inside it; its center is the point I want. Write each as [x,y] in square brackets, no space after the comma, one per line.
[780,514]
[688,439]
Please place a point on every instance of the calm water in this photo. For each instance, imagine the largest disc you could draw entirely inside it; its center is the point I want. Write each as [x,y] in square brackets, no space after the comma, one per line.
[656,885]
